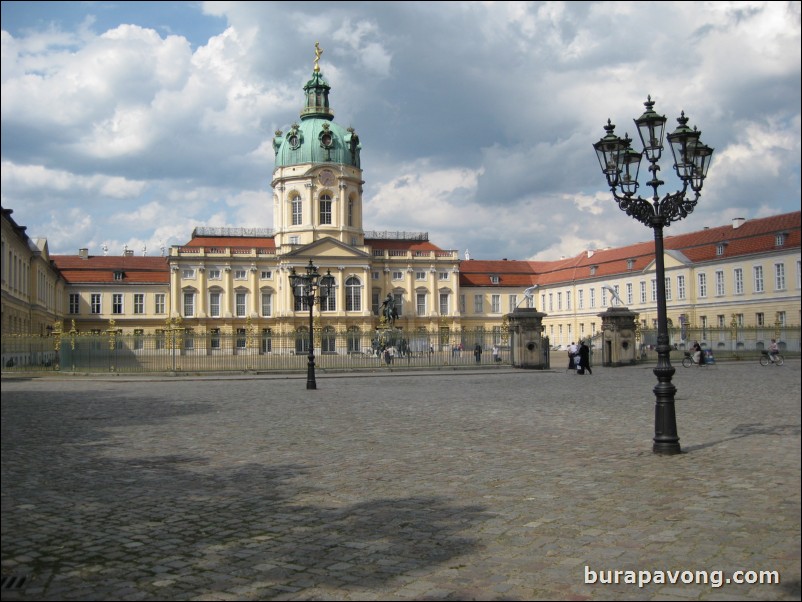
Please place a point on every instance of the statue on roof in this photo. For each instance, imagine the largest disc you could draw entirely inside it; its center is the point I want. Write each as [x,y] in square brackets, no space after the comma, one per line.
[318,53]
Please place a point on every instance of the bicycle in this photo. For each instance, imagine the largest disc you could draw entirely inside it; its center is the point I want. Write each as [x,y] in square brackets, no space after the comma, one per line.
[688,360]
[766,359]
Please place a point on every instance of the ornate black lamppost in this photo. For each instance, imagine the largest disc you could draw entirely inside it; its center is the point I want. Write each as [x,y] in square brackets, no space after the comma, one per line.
[304,287]
[620,165]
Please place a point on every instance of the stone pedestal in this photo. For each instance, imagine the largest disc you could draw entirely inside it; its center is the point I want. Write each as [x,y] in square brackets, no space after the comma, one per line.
[526,339]
[618,337]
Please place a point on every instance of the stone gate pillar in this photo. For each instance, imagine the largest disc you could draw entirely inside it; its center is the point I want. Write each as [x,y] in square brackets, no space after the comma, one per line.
[526,339]
[618,337]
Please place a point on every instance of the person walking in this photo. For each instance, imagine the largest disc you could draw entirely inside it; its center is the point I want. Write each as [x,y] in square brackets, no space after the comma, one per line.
[477,353]
[572,356]
[584,358]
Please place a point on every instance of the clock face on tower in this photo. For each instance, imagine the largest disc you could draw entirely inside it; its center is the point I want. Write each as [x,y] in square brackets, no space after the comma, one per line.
[326,177]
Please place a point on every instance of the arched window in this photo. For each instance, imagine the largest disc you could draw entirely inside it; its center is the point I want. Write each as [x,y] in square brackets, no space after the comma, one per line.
[297,215]
[353,294]
[325,208]
[301,340]
[328,340]
[354,336]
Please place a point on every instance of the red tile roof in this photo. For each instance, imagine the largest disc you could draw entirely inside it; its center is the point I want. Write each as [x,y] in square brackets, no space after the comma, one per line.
[751,237]
[101,269]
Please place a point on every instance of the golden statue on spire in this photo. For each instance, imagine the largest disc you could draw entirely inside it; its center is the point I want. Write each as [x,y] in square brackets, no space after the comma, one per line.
[318,52]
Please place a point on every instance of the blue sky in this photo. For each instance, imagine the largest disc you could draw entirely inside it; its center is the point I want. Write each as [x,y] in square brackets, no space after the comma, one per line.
[127,124]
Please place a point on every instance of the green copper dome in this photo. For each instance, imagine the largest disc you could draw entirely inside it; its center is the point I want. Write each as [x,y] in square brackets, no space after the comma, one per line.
[317,139]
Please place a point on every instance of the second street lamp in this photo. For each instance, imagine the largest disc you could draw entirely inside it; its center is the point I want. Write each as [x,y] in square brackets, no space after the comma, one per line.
[620,164]
[304,289]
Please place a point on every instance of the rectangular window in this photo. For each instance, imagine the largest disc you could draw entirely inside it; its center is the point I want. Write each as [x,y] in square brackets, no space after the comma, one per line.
[630,293]
[781,318]
[266,274]
[720,321]
[139,303]
[159,303]
[703,285]
[559,301]
[75,303]
[214,341]
[240,304]
[442,275]
[462,304]
[267,304]
[495,304]
[96,303]
[214,305]
[738,278]
[739,320]
[241,338]
[779,276]
[478,305]
[398,275]
[189,305]
[581,299]
[420,302]
[758,273]
[513,302]
[240,275]
[188,274]
[214,274]
[760,319]
[139,342]
[604,297]
[719,283]
[680,287]
[568,300]
[420,275]
[592,298]
[668,289]
[642,291]
[654,289]
[444,304]
[551,301]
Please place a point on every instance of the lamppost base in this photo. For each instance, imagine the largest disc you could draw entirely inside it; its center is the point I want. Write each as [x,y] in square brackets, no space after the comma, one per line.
[666,449]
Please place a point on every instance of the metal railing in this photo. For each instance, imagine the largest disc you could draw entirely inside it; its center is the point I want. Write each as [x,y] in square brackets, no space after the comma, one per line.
[181,352]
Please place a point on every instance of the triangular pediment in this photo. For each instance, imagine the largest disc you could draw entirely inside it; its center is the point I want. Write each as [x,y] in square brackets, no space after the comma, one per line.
[330,248]
[672,259]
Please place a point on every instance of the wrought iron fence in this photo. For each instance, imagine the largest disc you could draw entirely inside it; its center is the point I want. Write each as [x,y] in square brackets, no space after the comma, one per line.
[182,352]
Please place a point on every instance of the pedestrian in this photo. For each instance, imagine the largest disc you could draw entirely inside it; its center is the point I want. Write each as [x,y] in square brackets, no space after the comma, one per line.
[477,353]
[496,357]
[584,358]
[572,351]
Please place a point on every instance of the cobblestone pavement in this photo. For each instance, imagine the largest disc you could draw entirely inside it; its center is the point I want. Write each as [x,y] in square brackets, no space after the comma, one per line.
[498,484]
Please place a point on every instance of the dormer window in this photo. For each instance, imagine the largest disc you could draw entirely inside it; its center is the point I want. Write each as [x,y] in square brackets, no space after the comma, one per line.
[118,275]
[494,280]
[593,270]
[720,248]
[779,239]
[630,264]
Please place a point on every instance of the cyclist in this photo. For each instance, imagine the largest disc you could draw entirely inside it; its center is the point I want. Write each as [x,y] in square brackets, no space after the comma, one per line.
[774,351]
[698,354]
